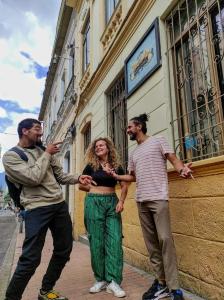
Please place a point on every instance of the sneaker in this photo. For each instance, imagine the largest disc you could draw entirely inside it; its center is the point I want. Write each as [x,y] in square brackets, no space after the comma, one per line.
[97,287]
[114,288]
[176,295]
[156,291]
[51,295]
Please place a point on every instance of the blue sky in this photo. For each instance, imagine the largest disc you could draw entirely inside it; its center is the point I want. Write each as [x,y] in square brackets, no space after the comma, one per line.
[27,32]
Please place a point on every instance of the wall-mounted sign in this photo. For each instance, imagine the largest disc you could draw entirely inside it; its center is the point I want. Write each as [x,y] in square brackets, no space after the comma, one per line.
[144,60]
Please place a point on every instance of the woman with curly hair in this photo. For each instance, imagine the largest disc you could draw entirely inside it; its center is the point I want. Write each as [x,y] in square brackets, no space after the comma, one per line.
[103,216]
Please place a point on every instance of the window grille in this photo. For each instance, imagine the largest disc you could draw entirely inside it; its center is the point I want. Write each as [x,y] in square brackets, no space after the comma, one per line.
[117,118]
[195,33]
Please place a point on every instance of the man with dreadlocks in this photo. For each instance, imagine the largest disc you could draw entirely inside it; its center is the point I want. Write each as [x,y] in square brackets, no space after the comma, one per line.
[147,166]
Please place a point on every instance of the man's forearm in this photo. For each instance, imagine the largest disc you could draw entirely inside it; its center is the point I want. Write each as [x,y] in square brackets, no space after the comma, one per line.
[176,162]
[124,191]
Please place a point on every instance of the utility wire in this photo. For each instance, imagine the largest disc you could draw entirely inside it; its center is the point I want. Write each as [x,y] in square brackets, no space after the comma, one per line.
[8,133]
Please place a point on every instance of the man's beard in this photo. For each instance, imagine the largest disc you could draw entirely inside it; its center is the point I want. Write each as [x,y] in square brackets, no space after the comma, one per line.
[39,143]
[132,136]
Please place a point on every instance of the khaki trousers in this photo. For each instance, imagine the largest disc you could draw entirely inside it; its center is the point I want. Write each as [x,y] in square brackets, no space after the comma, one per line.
[155,222]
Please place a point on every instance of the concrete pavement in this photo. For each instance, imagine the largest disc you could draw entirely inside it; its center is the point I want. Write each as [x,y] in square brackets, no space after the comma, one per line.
[7,227]
[8,235]
[77,276]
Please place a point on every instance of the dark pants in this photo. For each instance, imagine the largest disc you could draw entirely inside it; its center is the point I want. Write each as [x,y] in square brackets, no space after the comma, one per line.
[37,221]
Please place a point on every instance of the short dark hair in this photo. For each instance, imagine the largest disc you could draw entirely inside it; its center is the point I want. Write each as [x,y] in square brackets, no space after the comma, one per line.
[26,123]
[141,119]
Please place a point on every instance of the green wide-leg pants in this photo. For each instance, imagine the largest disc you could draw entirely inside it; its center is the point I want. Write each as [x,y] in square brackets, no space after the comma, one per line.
[104,229]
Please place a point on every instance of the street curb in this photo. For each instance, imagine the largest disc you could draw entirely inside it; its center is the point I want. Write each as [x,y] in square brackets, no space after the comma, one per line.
[5,270]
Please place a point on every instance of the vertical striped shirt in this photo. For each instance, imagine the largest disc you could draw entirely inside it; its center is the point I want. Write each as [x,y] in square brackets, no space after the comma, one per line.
[148,161]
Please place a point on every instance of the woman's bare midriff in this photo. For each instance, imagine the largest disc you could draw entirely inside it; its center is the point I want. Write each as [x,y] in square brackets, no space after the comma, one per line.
[101,190]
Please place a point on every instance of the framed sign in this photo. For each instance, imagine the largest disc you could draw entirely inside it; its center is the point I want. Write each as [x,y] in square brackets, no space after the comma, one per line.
[144,60]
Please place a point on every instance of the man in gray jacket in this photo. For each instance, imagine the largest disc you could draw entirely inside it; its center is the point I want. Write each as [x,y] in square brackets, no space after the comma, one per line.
[42,199]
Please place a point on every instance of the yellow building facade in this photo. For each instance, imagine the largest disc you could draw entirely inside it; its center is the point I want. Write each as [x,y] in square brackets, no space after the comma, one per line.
[163,58]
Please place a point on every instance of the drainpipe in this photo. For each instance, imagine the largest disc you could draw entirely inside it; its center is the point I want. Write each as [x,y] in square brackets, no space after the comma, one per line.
[169,91]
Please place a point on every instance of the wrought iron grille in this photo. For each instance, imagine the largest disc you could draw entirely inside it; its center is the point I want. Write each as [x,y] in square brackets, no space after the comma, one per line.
[117,118]
[195,33]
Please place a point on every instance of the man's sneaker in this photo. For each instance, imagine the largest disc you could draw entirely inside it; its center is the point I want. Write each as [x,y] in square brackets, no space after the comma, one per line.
[114,288]
[97,287]
[51,295]
[156,291]
[176,295]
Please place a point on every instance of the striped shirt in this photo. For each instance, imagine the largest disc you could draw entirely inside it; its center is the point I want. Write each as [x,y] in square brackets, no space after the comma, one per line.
[148,161]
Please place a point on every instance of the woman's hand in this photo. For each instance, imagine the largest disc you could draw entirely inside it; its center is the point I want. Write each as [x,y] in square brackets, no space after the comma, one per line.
[85,179]
[120,206]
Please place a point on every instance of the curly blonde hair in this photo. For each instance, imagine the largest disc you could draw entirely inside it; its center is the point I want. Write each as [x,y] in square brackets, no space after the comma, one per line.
[92,159]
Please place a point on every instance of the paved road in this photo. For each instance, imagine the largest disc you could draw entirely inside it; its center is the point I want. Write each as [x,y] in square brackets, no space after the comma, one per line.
[7,228]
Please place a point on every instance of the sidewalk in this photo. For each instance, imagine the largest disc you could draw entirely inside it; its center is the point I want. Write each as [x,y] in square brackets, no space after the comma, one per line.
[77,276]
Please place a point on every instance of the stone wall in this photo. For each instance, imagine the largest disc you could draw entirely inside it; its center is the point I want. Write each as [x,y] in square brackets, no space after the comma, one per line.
[197,216]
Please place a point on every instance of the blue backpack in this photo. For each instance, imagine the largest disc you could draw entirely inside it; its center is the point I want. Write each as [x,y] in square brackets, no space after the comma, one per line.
[13,190]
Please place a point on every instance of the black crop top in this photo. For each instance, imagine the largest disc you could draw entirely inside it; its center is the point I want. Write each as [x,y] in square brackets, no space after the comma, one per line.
[101,177]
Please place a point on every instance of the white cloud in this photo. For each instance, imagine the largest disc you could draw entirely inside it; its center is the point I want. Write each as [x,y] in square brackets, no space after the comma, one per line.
[27,26]
[3,113]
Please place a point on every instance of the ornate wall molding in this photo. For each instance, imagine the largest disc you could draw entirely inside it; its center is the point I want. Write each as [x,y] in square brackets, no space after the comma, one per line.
[85,79]
[112,27]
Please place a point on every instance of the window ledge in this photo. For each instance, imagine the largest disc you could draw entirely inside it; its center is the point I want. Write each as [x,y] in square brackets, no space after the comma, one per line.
[85,78]
[112,27]
[205,167]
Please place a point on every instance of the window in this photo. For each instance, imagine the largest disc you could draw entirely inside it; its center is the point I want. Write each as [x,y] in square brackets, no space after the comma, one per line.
[110,7]
[117,117]
[87,136]
[86,45]
[195,34]
[71,66]
[55,108]
[62,87]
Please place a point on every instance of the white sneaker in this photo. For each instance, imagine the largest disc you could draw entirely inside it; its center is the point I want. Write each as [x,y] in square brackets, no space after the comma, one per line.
[114,288]
[97,287]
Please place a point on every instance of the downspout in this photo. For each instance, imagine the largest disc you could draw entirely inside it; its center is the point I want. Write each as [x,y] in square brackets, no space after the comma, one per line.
[169,91]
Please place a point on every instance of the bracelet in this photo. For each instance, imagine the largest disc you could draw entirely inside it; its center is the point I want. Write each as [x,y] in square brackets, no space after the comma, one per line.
[78,179]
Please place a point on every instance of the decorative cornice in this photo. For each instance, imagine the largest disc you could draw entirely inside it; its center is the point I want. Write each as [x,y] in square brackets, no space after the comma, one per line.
[76,4]
[112,27]
[129,24]
[85,79]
